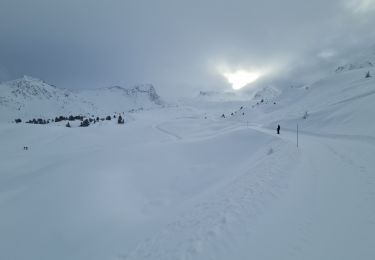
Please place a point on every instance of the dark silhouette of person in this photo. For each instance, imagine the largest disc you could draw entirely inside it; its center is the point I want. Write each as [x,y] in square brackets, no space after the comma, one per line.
[278,129]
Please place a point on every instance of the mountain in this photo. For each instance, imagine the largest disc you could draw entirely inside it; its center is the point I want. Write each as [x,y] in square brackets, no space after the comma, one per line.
[219,96]
[31,97]
[123,99]
[341,103]
[267,93]
[356,65]
[361,60]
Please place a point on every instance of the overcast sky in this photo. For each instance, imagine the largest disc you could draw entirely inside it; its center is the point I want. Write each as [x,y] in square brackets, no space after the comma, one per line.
[179,46]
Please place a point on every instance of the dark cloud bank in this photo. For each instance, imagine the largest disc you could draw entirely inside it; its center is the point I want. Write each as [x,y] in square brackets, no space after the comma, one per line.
[180,46]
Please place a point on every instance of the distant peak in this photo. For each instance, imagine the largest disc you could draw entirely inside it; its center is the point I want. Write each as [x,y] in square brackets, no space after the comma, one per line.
[354,66]
[26,80]
[139,87]
[114,87]
[29,78]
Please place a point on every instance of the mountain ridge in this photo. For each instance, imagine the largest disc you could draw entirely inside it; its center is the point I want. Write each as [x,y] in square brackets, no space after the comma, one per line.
[29,97]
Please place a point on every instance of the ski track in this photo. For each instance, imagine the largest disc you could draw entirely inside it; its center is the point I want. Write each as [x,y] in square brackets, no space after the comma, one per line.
[359,138]
[167,132]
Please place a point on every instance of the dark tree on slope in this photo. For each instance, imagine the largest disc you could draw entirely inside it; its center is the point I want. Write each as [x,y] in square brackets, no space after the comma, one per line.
[18,120]
[108,118]
[368,75]
[41,121]
[305,115]
[67,125]
[85,123]
[120,120]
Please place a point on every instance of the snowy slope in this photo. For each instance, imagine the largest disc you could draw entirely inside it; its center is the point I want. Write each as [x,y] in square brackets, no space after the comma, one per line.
[183,183]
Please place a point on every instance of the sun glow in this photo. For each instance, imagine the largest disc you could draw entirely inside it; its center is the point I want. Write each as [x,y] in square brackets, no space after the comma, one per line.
[241,78]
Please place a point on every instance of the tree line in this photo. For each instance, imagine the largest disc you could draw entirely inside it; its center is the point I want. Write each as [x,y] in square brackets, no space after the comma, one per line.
[84,121]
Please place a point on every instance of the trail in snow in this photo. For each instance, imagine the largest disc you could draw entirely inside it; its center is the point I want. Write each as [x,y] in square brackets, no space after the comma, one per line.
[175,136]
[327,211]
[199,233]
[302,132]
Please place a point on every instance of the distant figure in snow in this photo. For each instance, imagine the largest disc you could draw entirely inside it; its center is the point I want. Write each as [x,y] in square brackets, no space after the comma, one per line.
[278,129]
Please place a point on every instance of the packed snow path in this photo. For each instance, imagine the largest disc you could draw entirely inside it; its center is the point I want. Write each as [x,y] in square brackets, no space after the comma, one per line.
[328,210]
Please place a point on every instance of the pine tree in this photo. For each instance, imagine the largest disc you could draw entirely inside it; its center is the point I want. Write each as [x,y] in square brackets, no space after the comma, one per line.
[67,125]
[85,123]
[120,120]
[368,75]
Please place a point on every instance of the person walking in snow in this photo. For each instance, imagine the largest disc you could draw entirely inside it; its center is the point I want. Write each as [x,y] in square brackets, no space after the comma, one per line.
[278,129]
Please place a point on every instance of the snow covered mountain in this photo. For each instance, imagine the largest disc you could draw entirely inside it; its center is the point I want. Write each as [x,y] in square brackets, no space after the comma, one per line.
[30,97]
[123,99]
[341,103]
[361,60]
[356,65]
[220,96]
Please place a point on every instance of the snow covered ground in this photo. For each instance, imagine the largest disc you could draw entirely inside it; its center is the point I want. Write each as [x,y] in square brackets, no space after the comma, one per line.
[183,183]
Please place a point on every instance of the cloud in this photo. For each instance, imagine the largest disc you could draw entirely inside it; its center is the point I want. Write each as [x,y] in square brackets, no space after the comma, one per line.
[361,6]
[177,45]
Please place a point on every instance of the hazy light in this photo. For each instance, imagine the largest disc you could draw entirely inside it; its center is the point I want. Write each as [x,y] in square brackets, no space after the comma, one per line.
[361,6]
[241,78]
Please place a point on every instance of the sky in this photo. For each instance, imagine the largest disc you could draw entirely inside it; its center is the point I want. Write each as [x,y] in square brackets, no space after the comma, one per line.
[179,46]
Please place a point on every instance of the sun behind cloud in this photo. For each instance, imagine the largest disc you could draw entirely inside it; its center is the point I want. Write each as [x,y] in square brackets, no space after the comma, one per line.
[241,78]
